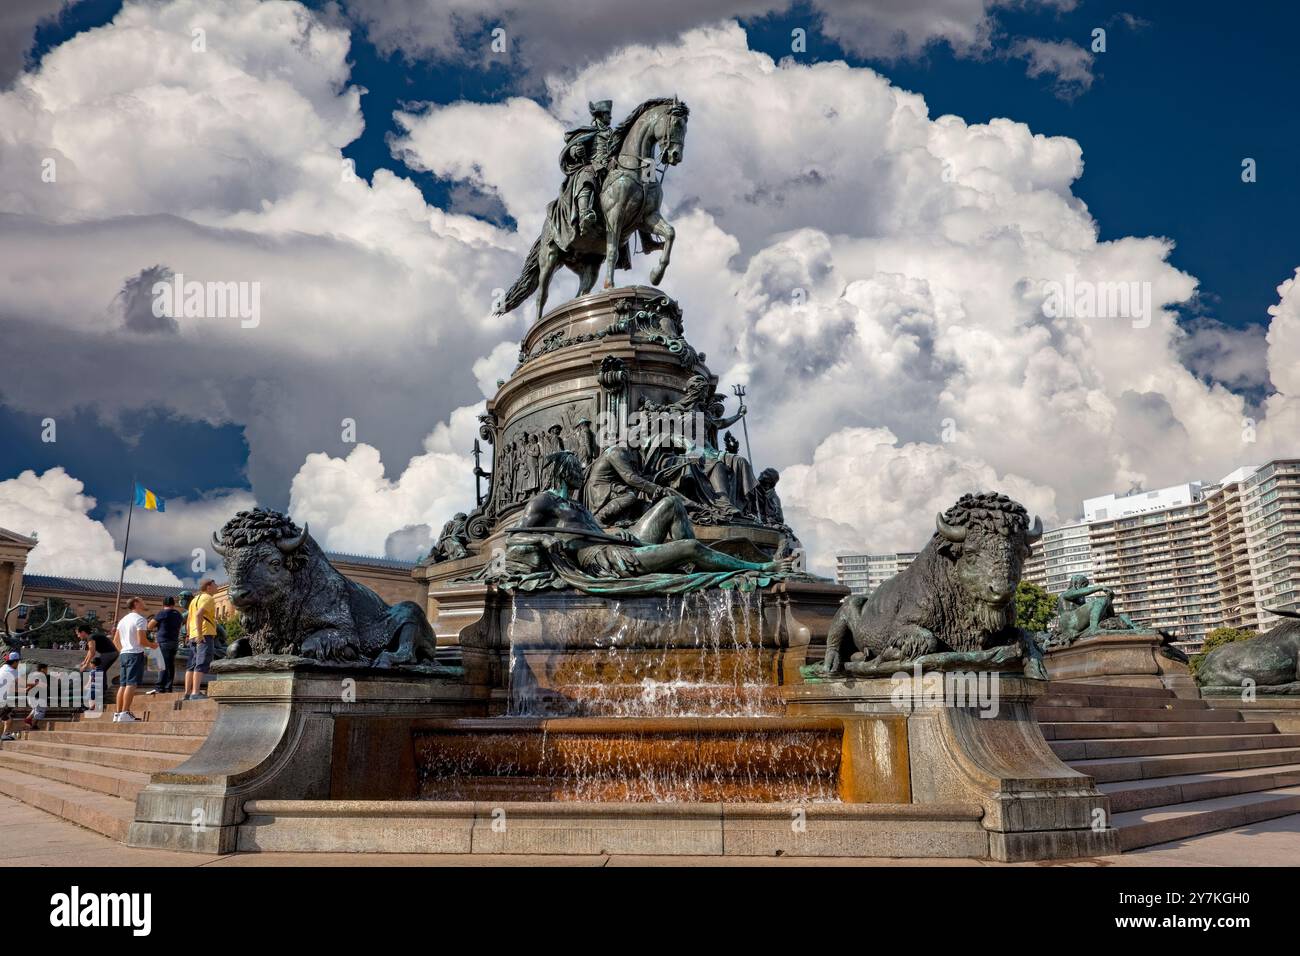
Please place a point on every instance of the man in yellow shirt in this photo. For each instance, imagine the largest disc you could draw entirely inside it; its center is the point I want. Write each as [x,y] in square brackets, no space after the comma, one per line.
[200,634]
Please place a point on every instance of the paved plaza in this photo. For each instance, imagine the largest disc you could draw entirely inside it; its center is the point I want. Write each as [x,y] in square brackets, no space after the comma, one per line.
[37,838]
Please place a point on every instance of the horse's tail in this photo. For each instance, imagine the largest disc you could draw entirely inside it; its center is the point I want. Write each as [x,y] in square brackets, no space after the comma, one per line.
[525,285]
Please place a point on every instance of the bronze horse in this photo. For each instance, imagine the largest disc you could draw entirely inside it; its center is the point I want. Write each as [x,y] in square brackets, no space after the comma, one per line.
[629,202]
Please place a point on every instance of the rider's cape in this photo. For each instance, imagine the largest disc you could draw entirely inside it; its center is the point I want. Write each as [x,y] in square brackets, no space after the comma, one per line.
[564,214]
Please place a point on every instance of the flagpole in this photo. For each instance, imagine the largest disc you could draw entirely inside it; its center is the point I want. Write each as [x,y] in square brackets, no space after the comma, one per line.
[117,601]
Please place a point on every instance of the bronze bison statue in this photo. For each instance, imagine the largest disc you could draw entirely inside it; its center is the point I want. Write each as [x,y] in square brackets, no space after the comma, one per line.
[953,606]
[292,601]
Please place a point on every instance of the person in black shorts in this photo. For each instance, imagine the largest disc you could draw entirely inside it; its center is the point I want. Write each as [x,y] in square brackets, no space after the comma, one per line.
[166,625]
[101,654]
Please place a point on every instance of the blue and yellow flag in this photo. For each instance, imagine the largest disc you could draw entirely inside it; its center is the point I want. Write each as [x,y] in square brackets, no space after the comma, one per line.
[146,499]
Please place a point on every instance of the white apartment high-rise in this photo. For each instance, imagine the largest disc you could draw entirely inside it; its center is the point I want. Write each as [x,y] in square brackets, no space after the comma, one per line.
[1191,557]
[863,573]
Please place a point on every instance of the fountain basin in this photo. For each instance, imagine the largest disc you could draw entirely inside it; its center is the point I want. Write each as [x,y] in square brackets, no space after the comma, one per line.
[667,759]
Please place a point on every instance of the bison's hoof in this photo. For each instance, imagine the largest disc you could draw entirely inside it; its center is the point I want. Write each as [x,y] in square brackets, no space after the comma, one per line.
[1008,652]
[1035,670]
[329,647]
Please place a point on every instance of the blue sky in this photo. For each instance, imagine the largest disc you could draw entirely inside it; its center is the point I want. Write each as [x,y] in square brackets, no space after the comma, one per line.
[1182,94]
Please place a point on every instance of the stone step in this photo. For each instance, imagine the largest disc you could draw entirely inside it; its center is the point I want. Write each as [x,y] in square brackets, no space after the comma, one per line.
[1111,700]
[104,814]
[1130,795]
[107,780]
[1153,746]
[160,724]
[1139,828]
[1124,714]
[161,743]
[1085,730]
[1111,769]
[144,761]
[197,709]
[1112,690]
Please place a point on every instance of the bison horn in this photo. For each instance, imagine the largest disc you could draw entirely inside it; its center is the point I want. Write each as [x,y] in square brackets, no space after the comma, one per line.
[950,531]
[216,545]
[1036,532]
[286,545]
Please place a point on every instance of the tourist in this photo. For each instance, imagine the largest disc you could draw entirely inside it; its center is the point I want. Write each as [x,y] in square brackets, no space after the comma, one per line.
[132,638]
[40,682]
[101,653]
[201,633]
[167,624]
[8,692]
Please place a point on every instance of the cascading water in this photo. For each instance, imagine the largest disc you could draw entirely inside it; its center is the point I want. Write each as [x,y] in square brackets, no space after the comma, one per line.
[695,655]
[648,699]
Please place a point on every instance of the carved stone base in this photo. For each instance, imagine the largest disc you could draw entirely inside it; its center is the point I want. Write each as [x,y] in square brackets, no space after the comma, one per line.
[275,737]
[978,742]
[1125,658]
[557,643]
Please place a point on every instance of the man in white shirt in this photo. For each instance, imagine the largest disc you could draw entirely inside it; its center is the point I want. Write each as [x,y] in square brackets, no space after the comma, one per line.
[131,640]
[8,692]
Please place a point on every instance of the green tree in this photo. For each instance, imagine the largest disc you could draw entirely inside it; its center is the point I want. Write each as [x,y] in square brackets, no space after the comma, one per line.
[234,626]
[1035,607]
[1217,638]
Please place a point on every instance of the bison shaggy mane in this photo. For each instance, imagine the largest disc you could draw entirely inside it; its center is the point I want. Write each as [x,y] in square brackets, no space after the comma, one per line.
[990,512]
[248,528]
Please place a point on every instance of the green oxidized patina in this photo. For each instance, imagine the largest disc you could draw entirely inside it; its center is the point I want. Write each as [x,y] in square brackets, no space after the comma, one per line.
[1085,609]
[558,543]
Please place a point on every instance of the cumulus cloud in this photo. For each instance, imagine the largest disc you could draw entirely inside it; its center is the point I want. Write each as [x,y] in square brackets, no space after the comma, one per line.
[186,526]
[538,34]
[1282,408]
[1067,64]
[879,278]
[865,491]
[1235,357]
[18,22]
[55,507]
[876,275]
[354,507]
[366,293]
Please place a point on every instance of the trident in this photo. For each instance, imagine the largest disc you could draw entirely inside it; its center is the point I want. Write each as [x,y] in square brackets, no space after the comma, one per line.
[739,392]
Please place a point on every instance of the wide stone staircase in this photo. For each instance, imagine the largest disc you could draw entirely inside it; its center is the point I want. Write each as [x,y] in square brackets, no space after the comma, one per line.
[88,770]
[1173,768]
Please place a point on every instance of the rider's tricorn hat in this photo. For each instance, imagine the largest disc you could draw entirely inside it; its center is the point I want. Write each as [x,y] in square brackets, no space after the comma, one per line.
[601,106]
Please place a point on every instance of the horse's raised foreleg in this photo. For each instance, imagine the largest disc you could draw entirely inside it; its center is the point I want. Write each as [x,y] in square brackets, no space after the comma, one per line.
[665,233]
[615,203]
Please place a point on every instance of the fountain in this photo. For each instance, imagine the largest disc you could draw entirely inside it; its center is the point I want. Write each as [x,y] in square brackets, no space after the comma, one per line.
[671,698]
[627,642]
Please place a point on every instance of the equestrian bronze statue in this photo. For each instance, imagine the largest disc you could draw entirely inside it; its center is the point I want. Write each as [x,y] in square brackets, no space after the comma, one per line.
[612,189]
